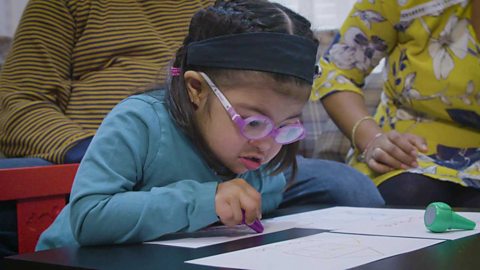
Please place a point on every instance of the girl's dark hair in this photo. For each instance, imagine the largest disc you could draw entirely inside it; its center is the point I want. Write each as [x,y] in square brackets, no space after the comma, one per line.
[224,18]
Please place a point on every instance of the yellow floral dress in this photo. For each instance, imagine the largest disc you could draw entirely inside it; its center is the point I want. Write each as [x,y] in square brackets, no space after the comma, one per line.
[431,79]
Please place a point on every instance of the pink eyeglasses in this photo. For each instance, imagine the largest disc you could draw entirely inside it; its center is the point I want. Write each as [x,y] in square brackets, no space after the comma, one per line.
[258,126]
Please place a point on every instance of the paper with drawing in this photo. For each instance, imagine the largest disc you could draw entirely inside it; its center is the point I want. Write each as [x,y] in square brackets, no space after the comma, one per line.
[320,251]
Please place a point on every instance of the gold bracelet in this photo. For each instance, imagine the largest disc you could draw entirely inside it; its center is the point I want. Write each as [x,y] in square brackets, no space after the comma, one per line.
[363,156]
[355,127]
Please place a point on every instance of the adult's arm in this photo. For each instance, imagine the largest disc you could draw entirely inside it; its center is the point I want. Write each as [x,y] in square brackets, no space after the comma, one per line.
[368,34]
[35,84]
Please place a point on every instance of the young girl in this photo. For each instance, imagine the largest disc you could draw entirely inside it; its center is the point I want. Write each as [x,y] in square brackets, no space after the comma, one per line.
[211,146]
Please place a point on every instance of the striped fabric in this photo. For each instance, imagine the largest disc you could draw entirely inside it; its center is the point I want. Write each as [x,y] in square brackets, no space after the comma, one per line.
[72,61]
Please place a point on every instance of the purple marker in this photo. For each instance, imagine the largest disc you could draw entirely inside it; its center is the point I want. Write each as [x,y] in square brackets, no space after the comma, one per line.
[256,225]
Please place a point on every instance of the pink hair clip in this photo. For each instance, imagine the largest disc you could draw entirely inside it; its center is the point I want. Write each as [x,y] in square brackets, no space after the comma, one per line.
[175,71]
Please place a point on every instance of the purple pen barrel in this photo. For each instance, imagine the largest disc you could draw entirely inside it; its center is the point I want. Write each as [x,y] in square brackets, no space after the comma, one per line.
[256,225]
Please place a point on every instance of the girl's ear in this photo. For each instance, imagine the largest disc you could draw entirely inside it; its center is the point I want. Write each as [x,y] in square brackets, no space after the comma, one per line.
[193,83]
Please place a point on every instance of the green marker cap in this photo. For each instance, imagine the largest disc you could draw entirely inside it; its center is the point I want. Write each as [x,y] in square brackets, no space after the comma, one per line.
[440,217]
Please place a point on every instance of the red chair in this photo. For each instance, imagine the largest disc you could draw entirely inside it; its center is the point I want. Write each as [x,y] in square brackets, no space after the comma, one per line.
[40,194]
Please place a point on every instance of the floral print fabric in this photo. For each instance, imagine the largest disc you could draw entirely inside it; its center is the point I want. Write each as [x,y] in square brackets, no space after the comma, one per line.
[431,79]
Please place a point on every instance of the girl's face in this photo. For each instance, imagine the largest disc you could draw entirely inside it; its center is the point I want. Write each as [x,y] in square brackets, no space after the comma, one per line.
[249,98]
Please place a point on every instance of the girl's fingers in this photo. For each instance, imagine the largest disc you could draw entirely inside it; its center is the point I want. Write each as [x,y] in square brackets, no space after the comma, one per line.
[237,200]
[236,209]
[224,212]
[227,205]
[254,201]
[250,208]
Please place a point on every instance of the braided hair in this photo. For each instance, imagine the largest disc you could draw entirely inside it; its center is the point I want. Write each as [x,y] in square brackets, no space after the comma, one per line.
[228,17]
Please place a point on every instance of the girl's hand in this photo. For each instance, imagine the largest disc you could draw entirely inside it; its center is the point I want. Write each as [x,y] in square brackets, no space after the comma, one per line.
[233,196]
[393,150]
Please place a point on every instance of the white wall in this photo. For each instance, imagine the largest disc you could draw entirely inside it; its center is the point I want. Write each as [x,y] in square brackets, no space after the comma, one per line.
[324,14]
[10,13]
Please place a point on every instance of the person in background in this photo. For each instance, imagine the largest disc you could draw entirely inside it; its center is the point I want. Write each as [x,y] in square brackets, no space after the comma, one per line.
[73,61]
[423,143]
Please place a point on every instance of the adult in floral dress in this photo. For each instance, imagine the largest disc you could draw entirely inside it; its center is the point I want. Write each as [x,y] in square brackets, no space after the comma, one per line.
[427,125]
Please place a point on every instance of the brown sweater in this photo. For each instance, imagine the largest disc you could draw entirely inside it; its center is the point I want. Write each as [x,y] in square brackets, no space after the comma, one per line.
[72,61]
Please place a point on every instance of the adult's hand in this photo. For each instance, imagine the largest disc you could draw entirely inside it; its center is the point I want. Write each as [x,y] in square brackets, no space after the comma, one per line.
[393,150]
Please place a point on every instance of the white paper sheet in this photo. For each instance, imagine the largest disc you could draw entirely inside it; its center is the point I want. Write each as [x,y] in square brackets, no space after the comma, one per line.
[354,220]
[220,234]
[338,217]
[376,221]
[320,251]
[410,224]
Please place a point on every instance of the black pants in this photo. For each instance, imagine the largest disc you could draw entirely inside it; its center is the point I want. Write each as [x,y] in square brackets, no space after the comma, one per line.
[411,189]
[8,229]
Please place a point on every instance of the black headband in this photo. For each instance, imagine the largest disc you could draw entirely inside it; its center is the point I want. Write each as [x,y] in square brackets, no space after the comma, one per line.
[262,51]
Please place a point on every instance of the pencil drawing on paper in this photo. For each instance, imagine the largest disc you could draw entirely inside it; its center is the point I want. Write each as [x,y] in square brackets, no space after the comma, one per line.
[327,248]
[402,221]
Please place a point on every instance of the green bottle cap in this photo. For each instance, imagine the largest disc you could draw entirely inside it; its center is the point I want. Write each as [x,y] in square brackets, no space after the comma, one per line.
[440,217]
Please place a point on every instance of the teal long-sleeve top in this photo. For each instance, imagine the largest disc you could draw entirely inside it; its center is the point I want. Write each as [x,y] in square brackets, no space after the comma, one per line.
[142,178]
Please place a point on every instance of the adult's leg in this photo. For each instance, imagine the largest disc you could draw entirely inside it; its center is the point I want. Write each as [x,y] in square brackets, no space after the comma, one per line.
[23,162]
[329,182]
[411,189]
[8,214]
[8,229]
[466,197]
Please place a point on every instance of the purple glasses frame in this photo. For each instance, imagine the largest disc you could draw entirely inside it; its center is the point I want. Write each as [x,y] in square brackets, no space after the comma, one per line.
[271,130]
